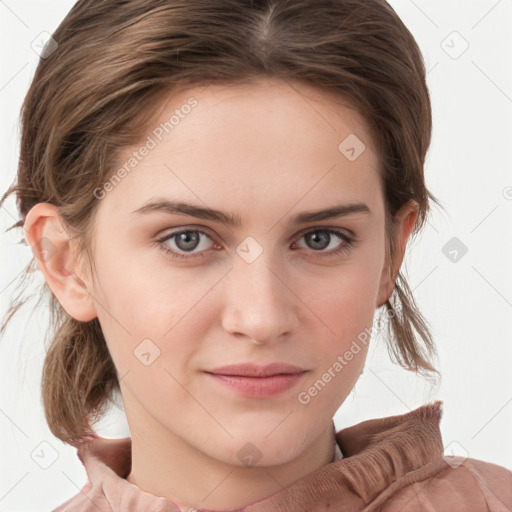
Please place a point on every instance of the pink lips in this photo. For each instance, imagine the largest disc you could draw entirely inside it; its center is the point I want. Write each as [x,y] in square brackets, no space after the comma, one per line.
[258,381]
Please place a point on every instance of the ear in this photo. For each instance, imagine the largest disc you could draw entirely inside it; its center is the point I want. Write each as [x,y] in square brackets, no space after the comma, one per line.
[405,220]
[55,255]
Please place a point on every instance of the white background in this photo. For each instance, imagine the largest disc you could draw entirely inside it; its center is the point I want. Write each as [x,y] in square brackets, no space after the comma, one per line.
[468,303]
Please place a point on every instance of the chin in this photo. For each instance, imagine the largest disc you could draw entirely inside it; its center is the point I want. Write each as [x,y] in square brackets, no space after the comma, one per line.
[259,449]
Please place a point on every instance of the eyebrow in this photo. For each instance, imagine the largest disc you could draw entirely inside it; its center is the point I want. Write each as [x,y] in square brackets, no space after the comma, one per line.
[181,208]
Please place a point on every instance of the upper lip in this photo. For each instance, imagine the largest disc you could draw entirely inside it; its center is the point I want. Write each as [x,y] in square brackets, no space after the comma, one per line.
[255,370]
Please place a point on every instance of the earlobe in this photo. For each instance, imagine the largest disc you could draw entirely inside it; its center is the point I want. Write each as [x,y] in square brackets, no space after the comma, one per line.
[56,258]
[405,220]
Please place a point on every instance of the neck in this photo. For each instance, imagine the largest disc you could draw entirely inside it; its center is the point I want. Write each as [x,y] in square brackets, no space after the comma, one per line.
[165,465]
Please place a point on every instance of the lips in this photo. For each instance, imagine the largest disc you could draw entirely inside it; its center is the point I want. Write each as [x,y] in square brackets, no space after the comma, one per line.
[254,370]
[255,381]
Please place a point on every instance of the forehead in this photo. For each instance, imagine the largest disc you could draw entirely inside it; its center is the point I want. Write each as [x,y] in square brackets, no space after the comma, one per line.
[272,140]
[267,108]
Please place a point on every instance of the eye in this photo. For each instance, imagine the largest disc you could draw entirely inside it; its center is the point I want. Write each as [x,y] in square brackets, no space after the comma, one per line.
[320,239]
[183,244]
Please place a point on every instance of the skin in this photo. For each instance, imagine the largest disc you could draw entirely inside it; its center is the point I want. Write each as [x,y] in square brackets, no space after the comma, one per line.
[266,152]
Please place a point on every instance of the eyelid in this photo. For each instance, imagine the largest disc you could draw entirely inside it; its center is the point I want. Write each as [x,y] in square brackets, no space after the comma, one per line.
[348,232]
[349,241]
[167,233]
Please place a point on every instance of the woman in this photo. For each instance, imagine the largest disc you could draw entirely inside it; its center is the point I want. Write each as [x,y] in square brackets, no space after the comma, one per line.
[219,195]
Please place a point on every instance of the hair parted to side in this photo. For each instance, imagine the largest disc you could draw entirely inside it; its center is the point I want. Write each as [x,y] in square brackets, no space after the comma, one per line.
[115,59]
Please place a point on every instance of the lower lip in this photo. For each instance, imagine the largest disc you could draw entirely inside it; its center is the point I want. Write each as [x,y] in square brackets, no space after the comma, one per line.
[261,387]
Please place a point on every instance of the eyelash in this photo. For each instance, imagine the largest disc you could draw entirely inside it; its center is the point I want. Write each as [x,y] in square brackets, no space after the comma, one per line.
[342,249]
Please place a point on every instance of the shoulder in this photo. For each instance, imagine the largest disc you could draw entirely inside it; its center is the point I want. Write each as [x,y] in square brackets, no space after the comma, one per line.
[452,483]
[84,501]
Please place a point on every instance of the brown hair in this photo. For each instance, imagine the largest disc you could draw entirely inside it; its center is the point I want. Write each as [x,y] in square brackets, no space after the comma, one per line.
[93,95]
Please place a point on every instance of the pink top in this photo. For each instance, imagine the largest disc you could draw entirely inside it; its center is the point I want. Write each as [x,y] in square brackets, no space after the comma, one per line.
[384,464]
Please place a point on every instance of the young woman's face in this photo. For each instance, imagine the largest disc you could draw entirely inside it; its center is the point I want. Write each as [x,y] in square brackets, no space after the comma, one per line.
[268,288]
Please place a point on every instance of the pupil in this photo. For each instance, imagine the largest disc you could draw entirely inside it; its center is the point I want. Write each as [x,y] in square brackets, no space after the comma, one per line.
[318,239]
[189,237]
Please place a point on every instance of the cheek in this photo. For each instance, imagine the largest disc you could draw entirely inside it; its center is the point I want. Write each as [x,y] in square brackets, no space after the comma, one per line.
[136,294]
[148,310]
[349,317]
[345,303]
[346,298]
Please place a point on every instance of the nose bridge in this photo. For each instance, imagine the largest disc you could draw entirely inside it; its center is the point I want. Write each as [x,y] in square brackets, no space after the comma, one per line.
[258,302]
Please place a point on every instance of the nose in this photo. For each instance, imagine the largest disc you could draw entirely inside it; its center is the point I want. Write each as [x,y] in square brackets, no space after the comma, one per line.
[260,303]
